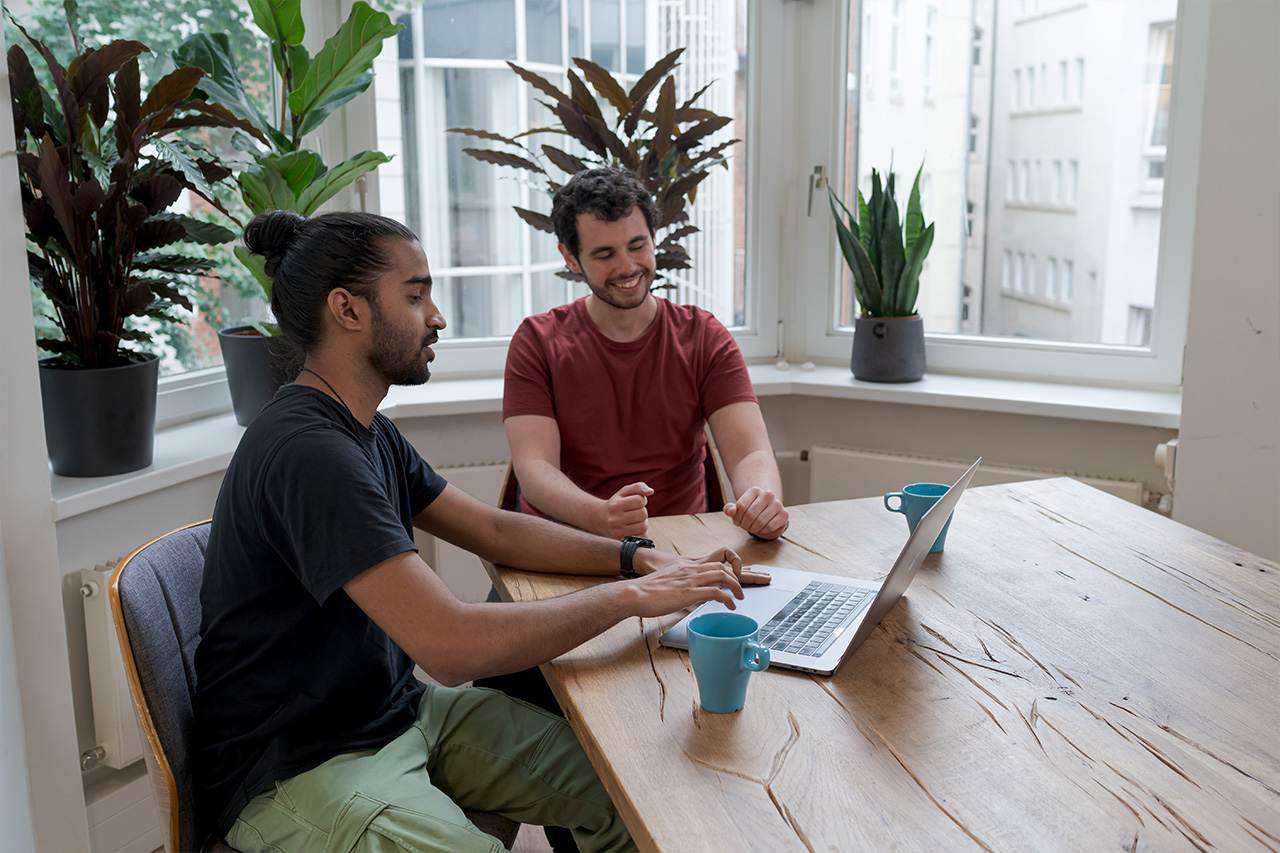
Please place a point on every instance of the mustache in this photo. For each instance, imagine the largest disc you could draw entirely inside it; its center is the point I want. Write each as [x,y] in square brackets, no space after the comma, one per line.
[431,339]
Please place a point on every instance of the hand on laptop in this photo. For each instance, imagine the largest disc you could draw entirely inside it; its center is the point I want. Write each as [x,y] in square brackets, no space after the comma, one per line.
[669,582]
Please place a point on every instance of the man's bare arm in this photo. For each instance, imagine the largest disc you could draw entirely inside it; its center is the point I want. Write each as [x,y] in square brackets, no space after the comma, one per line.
[457,642]
[743,442]
[535,455]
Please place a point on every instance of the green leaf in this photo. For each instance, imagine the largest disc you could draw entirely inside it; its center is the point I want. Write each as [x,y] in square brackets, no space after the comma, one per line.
[337,99]
[265,189]
[199,230]
[892,257]
[915,218]
[909,283]
[256,265]
[297,168]
[329,184]
[221,83]
[864,217]
[280,20]
[345,56]
[865,282]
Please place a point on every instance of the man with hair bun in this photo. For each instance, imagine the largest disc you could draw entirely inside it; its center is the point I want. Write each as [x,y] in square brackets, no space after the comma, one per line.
[311,731]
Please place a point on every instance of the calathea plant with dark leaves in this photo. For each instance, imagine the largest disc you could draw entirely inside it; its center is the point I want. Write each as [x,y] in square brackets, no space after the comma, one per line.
[99,167]
[667,145]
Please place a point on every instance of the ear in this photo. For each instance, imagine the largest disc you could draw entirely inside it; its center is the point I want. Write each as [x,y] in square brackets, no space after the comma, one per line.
[569,259]
[346,309]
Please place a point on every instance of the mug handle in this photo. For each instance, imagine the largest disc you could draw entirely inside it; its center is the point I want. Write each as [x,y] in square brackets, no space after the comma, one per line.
[902,502]
[755,657]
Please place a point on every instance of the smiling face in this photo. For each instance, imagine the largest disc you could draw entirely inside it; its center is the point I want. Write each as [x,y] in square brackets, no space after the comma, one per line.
[616,258]
[406,321]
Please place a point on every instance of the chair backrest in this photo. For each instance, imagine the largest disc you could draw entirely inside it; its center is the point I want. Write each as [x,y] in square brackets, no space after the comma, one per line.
[155,604]
[712,474]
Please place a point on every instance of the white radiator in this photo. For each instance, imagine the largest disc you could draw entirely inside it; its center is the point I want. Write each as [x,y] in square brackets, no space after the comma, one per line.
[839,473]
[115,720]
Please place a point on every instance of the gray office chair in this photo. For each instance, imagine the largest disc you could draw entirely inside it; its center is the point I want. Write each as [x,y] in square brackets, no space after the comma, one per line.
[155,604]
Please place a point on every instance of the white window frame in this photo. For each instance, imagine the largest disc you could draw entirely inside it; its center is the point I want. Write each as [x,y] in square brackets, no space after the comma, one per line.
[821,32]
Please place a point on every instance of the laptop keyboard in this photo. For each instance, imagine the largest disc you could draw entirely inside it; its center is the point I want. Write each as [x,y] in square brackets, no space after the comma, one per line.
[811,621]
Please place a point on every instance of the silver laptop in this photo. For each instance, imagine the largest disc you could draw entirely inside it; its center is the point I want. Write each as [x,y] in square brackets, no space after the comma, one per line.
[812,622]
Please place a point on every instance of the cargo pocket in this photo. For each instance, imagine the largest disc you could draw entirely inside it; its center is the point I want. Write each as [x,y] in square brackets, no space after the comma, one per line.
[367,825]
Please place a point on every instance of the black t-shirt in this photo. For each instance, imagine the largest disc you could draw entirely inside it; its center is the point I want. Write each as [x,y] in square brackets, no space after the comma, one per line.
[289,671]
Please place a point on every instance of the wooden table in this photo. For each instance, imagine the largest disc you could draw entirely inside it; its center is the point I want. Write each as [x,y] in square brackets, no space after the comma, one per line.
[1072,673]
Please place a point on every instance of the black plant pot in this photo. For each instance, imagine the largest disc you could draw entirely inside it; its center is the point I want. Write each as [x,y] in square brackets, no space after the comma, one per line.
[99,421]
[256,368]
[888,349]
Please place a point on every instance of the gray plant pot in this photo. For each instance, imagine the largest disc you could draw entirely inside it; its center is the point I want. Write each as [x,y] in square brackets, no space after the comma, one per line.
[256,367]
[99,421]
[888,349]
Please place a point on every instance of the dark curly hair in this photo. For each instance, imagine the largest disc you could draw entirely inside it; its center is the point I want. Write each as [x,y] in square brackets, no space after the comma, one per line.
[608,193]
[307,258]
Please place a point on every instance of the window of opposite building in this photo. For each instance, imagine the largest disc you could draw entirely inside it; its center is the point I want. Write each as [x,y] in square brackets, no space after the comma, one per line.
[1082,136]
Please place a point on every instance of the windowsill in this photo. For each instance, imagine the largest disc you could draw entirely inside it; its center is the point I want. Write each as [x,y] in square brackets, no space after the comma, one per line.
[200,448]
[1043,302]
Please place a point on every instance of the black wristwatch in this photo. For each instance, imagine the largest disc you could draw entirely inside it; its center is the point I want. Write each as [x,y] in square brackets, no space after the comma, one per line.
[629,546]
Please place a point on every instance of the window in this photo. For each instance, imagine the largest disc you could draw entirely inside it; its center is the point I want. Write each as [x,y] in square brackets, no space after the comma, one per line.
[895,45]
[977,45]
[1042,154]
[1159,78]
[868,55]
[1139,331]
[930,34]
[450,70]
[228,296]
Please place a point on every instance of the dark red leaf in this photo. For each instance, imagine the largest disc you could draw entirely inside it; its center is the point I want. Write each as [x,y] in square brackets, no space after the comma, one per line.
[583,98]
[502,158]
[538,220]
[564,160]
[604,83]
[539,83]
[576,124]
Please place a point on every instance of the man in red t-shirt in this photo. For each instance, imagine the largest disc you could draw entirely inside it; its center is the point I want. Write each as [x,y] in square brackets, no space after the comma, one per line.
[606,397]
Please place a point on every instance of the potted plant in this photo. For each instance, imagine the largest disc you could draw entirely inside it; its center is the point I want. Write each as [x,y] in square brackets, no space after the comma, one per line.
[888,336]
[667,147]
[98,168]
[280,173]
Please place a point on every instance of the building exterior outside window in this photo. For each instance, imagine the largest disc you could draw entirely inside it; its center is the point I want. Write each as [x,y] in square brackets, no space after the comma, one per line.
[1075,212]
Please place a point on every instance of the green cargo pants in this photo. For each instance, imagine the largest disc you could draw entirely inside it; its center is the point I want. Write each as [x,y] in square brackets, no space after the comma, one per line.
[471,748]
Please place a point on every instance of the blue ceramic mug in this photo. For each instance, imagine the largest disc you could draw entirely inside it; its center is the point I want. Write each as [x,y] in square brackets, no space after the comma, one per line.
[914,501]
[724,650]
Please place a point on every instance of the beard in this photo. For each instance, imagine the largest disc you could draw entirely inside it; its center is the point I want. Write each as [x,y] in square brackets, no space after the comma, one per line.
[400,356]
[610,295]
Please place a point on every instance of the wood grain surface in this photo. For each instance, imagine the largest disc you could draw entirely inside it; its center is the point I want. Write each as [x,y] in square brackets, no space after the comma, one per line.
[1072,673]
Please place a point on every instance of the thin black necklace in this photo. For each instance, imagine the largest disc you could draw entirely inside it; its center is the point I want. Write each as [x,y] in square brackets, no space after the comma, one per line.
[330,387]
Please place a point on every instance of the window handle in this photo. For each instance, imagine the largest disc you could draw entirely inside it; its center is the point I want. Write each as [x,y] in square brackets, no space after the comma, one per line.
[817,181]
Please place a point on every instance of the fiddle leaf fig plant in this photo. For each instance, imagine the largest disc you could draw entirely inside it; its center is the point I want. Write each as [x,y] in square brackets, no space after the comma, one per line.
[99,165]
[884,262]
[281,173]
[668,146]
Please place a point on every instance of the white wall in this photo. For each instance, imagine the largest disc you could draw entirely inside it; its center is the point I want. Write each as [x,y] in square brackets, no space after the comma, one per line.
[30,560]
[15,795]
[1228,466]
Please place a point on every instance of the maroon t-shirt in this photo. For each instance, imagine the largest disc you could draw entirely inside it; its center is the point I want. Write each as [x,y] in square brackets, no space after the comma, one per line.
[628,412]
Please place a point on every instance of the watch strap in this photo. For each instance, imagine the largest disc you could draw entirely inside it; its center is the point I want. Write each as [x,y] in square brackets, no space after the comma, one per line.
[626,558]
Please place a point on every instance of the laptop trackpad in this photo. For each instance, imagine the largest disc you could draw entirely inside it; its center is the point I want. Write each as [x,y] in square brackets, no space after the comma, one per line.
[760,603]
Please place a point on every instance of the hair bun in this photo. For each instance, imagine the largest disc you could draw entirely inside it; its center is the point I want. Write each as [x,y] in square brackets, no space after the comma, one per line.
[270,235]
